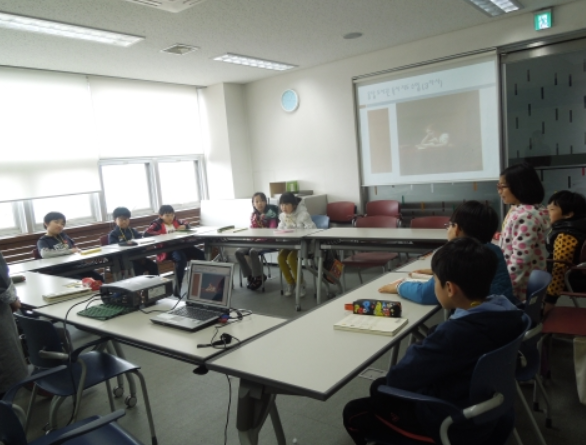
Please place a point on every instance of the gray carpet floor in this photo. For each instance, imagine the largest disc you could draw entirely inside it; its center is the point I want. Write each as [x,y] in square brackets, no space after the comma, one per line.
[193,409]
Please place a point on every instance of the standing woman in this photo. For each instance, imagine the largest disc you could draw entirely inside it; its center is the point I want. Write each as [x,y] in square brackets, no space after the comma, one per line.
[525,226]
[12,365]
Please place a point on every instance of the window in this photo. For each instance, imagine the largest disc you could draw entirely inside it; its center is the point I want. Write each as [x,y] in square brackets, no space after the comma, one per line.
[77,209]
[8,223]
[179,183]
[127,185]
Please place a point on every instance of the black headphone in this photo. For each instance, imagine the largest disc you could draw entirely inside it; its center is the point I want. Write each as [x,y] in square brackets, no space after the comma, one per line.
[225,339]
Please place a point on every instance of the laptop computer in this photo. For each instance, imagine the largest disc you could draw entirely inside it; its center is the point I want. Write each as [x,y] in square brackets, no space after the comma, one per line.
[208,297]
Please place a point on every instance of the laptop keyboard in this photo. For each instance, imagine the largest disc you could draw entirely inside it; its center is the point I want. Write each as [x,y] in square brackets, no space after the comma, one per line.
[195,313]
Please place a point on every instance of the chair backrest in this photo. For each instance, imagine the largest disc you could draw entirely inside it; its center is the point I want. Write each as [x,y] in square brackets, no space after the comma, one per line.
[430,222]
[11,431]
[495,373]
[536,290]
[341,211]
[36,254]
[378,221]
[387,207]
[104,240]
[321,221]
[40,335]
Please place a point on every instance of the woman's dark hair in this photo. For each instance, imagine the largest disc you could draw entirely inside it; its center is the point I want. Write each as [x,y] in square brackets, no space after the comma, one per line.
[476,220]
[53,216]
[262,197]
[289,198]
[524,183]
[467,263]
[164,209]
[569,202]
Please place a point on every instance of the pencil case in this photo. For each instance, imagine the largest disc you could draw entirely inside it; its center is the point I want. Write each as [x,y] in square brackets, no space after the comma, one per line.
[378,308]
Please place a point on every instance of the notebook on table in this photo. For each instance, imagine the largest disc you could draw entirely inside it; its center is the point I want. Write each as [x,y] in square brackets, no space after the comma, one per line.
[209,291]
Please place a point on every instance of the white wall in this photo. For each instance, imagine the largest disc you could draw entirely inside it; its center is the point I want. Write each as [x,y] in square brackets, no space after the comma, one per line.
[226,142]
[317,144]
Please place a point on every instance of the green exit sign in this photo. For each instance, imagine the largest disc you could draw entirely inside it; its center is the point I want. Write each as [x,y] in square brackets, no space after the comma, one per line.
[543,20]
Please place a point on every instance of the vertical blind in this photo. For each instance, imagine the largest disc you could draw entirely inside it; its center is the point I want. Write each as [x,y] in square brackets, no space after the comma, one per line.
[139,118]
[56,126]
[47,138]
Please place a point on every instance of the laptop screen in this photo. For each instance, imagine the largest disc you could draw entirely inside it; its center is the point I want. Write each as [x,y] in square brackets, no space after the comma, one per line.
[210,283]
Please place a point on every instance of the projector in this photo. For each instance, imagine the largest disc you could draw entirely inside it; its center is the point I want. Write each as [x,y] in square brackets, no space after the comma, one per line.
[143,290]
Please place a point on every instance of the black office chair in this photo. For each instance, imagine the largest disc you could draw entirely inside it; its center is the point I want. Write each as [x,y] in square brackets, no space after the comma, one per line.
[492,393]
[94,430]
[83,369]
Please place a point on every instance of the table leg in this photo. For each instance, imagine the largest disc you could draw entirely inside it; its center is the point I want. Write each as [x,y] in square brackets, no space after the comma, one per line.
[320,271]
[254,405]
[301,255]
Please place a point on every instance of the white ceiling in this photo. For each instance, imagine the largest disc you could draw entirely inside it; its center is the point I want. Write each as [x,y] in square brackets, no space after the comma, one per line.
[301,32]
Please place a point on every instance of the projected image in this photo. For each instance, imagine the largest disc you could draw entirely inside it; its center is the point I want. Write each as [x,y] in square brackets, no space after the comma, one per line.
[440,134]
[208,286]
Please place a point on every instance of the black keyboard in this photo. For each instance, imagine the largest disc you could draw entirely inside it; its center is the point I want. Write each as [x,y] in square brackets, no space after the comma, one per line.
[195,313]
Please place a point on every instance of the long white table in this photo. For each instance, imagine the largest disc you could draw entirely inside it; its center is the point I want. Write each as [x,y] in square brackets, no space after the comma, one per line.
[137,330]
[423,262]
[308,357]
[266,239]
[375,239]
[30,292]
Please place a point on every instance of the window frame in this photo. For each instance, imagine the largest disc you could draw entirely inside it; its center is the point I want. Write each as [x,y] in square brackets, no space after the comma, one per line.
[94,217]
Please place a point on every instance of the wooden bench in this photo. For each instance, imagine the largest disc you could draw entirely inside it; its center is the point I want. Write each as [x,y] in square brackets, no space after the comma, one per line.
[20,248]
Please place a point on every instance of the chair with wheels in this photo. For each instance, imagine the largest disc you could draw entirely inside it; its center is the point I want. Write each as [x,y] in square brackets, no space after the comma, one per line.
[492,393]
[529,352]
[430,222]
[366,260]
[83,369]
[93,430]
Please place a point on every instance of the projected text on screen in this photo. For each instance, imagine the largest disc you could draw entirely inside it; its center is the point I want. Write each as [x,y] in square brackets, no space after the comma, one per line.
[439,126]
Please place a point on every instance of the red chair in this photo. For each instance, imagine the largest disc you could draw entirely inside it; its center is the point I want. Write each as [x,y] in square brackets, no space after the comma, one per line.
[104,240]
[341,212]
[387,207]
[366,260]
[37,254]
[430,222]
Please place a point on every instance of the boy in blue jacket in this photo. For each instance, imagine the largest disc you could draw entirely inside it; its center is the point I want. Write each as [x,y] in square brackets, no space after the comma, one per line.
[475,220]
[442,365]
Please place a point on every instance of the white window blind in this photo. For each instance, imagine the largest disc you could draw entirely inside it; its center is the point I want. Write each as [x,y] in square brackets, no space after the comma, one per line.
[141,119]
[47,139]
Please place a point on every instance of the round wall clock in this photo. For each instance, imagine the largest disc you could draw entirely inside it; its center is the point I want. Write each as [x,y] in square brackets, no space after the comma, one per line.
[289,101]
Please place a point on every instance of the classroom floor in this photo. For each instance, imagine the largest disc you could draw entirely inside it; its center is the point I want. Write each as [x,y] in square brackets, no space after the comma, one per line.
[192,409]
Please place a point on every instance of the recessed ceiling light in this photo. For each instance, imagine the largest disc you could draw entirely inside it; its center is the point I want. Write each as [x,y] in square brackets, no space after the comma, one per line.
[254,62]
[31,24]
[352,35]
[179,49]
[496,7]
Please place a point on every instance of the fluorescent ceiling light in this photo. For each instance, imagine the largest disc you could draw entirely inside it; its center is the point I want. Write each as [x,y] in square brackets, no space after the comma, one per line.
[496,7]
[254,62]
[30,24]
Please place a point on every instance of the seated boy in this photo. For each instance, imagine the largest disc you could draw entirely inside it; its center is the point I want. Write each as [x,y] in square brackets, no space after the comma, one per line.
[168,223]
[564,242]
[472,219]
[124,234]
[56,243]
[442,364]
